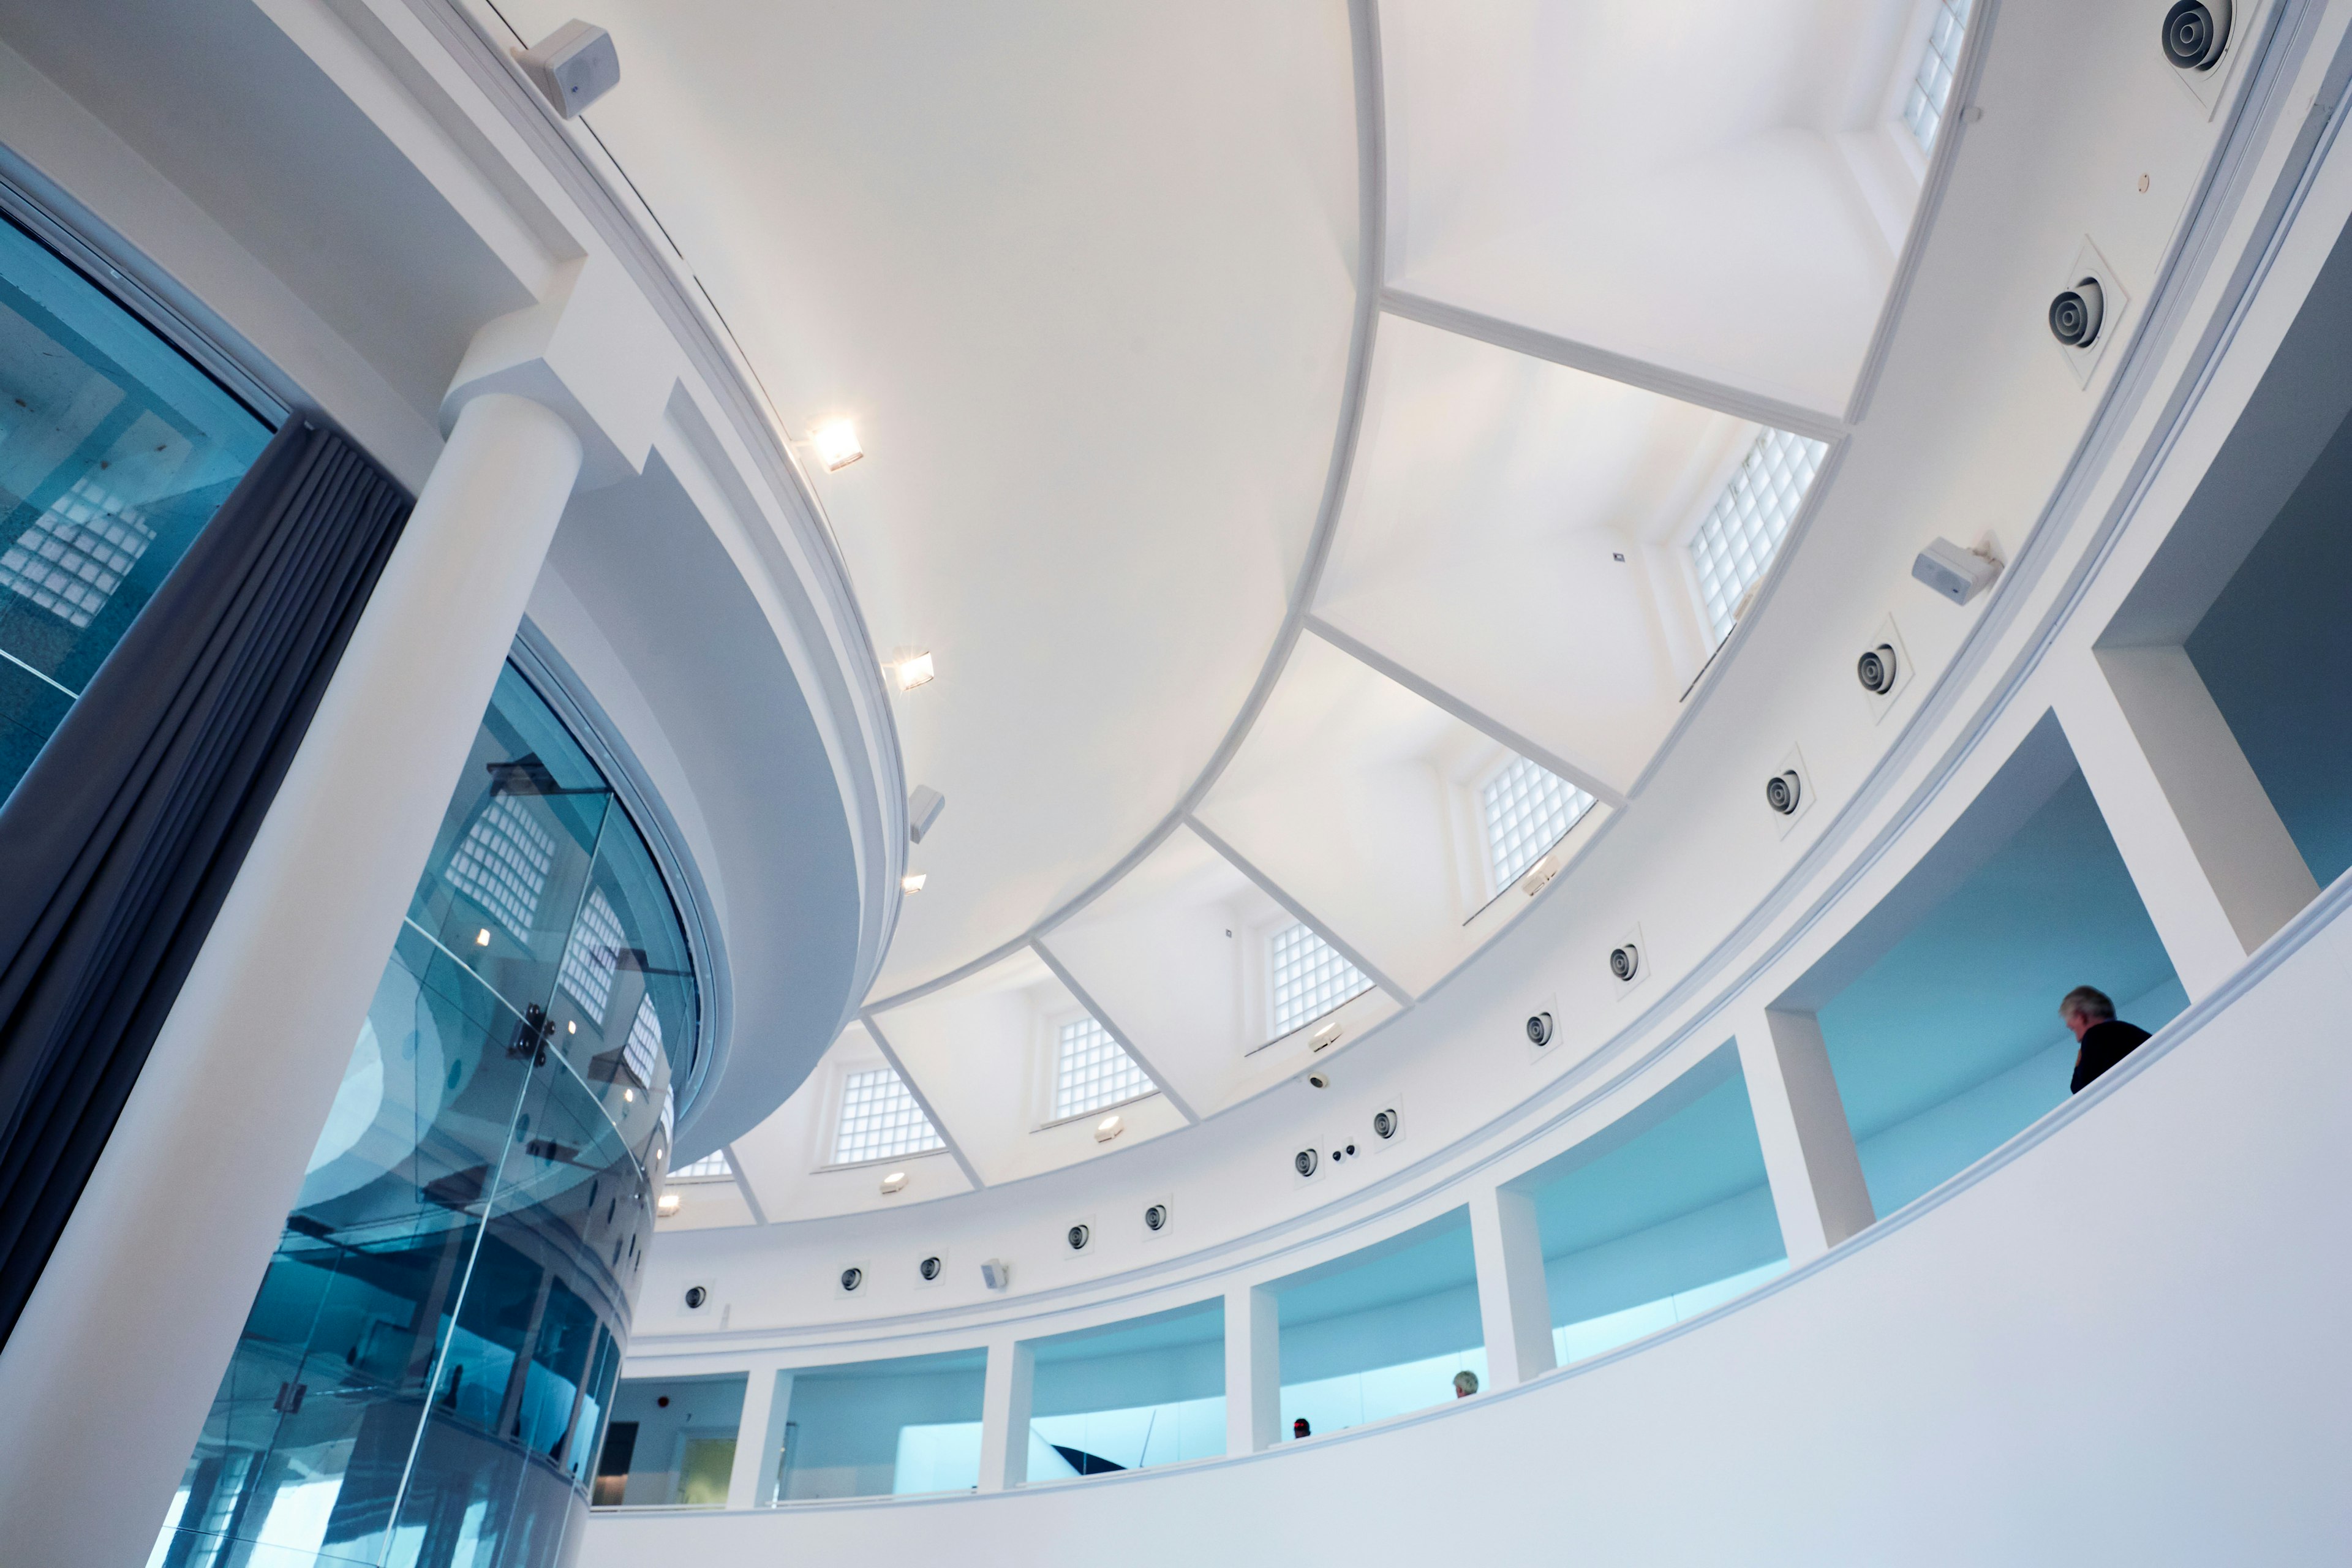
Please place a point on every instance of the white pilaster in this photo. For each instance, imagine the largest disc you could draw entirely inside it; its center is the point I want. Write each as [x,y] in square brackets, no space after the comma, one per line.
[1514,1302]
[767,1399]
[2213,863]
[1252,1369]
[1809,1155]
[1004,1414]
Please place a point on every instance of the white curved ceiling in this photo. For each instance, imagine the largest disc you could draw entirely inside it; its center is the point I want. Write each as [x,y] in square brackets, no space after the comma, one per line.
[1084,275]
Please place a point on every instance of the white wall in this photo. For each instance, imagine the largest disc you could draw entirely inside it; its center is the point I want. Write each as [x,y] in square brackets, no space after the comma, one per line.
[2116,1344]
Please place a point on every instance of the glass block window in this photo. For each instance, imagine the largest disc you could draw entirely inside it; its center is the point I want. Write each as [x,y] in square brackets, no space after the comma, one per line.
[880,1121]
[1735,542]
[504,863]
[710,1168]
[644,1042]
[1306,978]
[1931,84]
[1529,810]
[1094,1071]
[591,955]
[71,558]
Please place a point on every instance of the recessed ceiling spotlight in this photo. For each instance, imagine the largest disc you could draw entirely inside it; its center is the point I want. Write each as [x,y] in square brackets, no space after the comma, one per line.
[836,445]
[629,1096]
[573,1027]
[894,1184]
[913,669]
[668,1205]
[912,883]
[1109,1127]
[482,937]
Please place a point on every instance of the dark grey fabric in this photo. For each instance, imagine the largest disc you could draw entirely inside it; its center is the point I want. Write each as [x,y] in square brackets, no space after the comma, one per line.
[119,843]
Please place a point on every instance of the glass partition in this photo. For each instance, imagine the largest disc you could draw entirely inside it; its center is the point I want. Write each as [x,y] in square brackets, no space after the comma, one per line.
[114,453]
[427,1371]
[1661,1216]
[876,1428]
[1383,1331]
[671,1442]
[1149,1391]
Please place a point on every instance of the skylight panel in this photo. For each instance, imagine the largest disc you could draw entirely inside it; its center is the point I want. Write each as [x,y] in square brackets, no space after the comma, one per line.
[1094,1071]
[710,1168]
[881,1121]
[1307,978]
[72,557]
[1529,810]
[1931,84]
[1738,540]
[504,863]
[644,1042]
[592,955]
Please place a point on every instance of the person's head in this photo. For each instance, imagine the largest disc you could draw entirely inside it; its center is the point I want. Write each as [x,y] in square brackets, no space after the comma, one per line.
[1465,1384]
[1299,1429]
[2085,1006]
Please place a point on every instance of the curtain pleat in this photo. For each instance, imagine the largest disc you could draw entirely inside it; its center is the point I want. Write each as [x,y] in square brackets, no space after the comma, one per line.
[119,843]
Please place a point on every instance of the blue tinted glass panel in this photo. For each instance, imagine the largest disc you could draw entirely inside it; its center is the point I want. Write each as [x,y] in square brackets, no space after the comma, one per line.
[114,452]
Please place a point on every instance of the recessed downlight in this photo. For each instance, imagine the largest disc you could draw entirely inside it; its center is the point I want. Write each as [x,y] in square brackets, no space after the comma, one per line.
[836,445]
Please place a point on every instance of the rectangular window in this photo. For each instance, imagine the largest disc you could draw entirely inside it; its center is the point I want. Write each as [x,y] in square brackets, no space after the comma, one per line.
[710,1168]
[1094,1071]
[880,1121]
[1529,810]
[1931,84]
[1737,540]
[1306,978]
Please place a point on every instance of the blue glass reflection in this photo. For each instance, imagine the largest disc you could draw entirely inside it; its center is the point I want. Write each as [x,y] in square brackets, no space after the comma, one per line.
[427,1372]
[114,452]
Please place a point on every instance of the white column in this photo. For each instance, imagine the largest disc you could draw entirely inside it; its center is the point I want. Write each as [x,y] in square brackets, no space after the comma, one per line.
[1004,1414]
[1514,1302]
[767,1398]
[2211,861]
[121,1348]
[1817,1186]
[1252,1369]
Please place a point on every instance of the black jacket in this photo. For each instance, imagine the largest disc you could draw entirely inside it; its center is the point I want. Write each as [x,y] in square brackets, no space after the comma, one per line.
[2103,1045]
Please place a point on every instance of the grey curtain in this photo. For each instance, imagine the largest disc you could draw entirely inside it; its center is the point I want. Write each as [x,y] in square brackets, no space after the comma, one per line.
[119,845]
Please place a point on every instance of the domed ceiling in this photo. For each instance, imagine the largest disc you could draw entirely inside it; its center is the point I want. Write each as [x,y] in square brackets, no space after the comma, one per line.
[1279,421]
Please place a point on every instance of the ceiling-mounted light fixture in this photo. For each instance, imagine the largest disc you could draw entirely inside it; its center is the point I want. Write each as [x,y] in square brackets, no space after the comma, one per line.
[912,883]
[482,937]
[1109,1127]
[667,1204]
[913,669]
[894,1184]
[836,445]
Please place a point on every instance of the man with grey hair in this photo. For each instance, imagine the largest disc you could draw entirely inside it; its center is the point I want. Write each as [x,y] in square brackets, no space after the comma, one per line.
[2104,1042]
